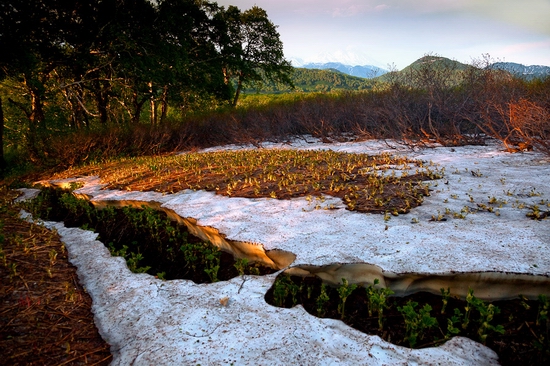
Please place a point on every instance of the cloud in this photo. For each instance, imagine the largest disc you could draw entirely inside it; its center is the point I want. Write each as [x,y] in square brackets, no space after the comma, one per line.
[526,14]
[381,7]
[402,30]
[521,48]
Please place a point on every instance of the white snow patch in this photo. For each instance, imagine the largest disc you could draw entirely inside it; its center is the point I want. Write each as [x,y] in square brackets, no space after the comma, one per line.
[178,322]
[148,321]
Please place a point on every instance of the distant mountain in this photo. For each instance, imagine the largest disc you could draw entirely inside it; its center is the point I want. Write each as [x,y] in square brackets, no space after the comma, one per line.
[438,62]
[452,69]
[332,76]
[364,71]
[526,72]
[348,56]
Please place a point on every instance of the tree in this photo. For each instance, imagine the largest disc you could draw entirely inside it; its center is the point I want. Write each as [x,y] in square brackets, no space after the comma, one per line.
[191,67]
[2,159]
[30,44]
[251,49]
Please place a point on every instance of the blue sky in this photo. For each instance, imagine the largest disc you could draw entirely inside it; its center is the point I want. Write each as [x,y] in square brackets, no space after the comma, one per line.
[396,33]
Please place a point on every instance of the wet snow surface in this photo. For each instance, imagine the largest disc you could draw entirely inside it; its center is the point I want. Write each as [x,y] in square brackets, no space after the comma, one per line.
[149,321]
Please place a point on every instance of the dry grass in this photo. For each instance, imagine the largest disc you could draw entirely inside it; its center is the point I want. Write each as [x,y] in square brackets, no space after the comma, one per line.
[45,315]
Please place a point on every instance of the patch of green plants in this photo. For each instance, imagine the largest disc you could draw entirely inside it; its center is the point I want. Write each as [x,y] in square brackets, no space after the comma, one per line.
[322,299]
[377,301]
[365,183]
[146,238]
[416,322]
[516,329]
[344,290]
[284,289]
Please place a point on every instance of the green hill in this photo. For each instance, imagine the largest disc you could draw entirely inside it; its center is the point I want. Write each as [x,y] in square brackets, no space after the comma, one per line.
[312,80]
[427,67]
[424,71]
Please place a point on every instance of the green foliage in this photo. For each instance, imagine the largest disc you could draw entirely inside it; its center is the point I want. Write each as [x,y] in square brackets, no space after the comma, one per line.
[344,290]
[486,313]
[212,262]
[253,52]
[66,72]
[452,323]
[240,265]
[542,341]
[160,235]
[377,301]
[544,306]
[132,258]
[281,289]
[284,288]
[445,295]
[322,299]
[76,206]
[416,322]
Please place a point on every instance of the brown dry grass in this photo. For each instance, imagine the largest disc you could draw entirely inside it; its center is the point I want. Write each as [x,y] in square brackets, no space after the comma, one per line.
[363,182]
[45,315]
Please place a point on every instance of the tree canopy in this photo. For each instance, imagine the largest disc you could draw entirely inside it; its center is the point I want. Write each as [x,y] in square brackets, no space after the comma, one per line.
[109,61]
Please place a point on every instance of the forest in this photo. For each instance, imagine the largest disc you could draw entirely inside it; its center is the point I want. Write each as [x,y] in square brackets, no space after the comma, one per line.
[90,81]
[73,66]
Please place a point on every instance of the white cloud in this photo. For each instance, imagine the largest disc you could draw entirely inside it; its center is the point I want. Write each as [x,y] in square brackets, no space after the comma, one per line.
[400,31]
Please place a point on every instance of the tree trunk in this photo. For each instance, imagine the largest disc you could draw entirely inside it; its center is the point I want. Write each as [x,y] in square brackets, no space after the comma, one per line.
[101,95]
[102,104]
[36,120]
[238,91]
[81,114]
[2,160]
[138,106]
[164,104]
[153,105]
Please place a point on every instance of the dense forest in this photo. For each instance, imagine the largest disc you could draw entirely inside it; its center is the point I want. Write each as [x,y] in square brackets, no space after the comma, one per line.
[86,63]
[88,81]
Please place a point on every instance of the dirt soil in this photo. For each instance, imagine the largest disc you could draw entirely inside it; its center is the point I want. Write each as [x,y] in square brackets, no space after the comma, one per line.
[45,315]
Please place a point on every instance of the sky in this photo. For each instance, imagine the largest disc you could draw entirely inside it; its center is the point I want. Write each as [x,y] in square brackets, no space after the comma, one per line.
[395,33]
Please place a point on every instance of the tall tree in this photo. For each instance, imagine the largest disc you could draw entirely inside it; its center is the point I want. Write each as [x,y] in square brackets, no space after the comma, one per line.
[191,64]
[2,159]
[36,38]
[29,41]
[251,49]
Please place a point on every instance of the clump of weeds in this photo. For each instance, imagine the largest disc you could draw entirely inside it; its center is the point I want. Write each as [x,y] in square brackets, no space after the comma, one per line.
[146,238]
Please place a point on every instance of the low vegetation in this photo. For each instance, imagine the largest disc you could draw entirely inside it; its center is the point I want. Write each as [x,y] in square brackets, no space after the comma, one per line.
[75,102]
[365,183]
[148,241]
[517,330]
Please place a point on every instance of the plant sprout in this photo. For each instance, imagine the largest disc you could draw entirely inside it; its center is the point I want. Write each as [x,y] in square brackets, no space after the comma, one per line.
[365,183]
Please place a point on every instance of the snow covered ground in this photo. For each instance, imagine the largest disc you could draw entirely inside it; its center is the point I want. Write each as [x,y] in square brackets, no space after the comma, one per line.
[474,221]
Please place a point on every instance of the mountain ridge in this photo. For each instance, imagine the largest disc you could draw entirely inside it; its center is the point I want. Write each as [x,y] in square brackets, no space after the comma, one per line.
[367,71]
[363,71]
[528,72]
